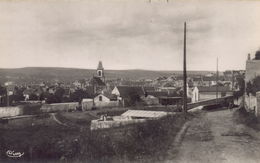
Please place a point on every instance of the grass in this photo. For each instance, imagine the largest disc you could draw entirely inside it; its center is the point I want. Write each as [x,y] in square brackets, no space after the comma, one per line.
[247,118]
[200,130]
[41,142]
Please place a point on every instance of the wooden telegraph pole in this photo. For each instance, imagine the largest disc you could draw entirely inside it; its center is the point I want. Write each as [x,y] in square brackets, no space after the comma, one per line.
[184,74]
[7,93]
[217,82]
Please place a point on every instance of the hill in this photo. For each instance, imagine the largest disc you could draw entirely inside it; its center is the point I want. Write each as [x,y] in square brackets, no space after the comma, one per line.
[36,74]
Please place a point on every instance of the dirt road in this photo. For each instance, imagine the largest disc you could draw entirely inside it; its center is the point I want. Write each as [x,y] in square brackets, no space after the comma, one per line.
[216,138]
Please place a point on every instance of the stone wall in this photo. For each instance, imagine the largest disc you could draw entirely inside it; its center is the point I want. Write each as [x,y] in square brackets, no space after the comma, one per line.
[109,104]
[96,124]
[257,112]
[223,101]
[250,103]
[59,107]
[87,104]
[10,111]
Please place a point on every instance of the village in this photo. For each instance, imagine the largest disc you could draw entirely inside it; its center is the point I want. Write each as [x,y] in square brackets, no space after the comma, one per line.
[99,92]
[100,103]
[149,81]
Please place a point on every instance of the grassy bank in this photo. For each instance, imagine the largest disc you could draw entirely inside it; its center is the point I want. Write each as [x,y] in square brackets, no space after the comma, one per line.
[142,142]
[247,118]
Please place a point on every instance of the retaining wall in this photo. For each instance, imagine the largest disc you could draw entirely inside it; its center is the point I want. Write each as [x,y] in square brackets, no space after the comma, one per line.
[257,104]
[95,124]
[222,101]
[109,104]
[59,107]
[250,102]
[10,111]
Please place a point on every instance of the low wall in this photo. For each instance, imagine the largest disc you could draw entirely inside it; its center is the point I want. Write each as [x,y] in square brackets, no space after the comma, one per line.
[257,104]
[87,105]
[10,111]
[107,104]
[59,107]
[95,124]
[250,102]
[222,100]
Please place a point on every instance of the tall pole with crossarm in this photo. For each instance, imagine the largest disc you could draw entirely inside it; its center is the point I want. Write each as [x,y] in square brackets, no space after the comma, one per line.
[217,76]
[184,74]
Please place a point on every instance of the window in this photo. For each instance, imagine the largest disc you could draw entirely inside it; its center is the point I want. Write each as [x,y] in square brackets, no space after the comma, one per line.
[100,98]
[99,73]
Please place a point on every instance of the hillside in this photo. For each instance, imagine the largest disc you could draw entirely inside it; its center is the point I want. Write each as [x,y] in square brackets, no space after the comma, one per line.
[34,74]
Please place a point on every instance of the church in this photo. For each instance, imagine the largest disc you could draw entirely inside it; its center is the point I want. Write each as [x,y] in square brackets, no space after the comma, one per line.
[98,80]
[99,94]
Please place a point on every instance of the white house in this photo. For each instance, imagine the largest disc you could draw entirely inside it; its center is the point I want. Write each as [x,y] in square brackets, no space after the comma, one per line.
[101,101]
[195,95]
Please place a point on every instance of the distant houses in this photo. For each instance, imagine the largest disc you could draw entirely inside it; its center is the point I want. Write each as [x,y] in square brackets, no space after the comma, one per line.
[98,92]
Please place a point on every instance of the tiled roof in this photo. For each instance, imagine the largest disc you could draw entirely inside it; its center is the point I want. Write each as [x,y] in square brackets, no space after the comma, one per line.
[213,89]
[209,78]
[144,114]
[197,79]
[157,93]
[213,78]
[125,91]
[146,89]
[28,91]
[109,95]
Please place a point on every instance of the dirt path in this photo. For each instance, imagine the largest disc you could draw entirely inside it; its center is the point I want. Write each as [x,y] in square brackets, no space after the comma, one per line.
[216,138]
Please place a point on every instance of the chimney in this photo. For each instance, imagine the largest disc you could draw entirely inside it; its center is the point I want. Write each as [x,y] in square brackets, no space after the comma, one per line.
[248,56]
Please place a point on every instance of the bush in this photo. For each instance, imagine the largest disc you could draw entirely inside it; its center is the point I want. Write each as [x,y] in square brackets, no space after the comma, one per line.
[52,143]
[142,141]
[254,86]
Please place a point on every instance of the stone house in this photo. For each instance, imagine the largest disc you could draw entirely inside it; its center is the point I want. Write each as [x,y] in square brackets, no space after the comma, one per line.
[105,101]
[128,95]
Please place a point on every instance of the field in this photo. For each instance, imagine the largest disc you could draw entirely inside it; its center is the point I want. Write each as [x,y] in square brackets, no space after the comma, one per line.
[43,139]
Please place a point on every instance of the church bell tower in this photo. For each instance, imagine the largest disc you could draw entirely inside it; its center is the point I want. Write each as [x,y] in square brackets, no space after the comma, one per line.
[100,71]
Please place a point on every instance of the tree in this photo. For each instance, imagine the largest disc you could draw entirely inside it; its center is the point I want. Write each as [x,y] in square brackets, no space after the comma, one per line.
[78,95]
[18,94]
[33,96]
[254,86]
[241,86]
[59,94]
[132,99]
[82,82]
[2,91]
[50,98]
[3,95]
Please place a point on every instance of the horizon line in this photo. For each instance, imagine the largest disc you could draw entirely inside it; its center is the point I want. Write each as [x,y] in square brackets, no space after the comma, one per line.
[137,69]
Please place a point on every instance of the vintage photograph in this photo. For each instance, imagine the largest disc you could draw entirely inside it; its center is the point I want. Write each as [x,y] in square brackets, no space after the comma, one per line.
[129,81]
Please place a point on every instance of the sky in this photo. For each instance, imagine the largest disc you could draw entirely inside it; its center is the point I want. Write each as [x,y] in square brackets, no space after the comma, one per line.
[125,34]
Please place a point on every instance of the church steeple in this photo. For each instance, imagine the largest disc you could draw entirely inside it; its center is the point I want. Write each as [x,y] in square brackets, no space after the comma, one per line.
[100,66]
[100,70]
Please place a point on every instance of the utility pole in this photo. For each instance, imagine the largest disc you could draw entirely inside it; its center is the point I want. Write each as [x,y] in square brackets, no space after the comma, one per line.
[7,93]
[233,80]
[184,74]
[217,83]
